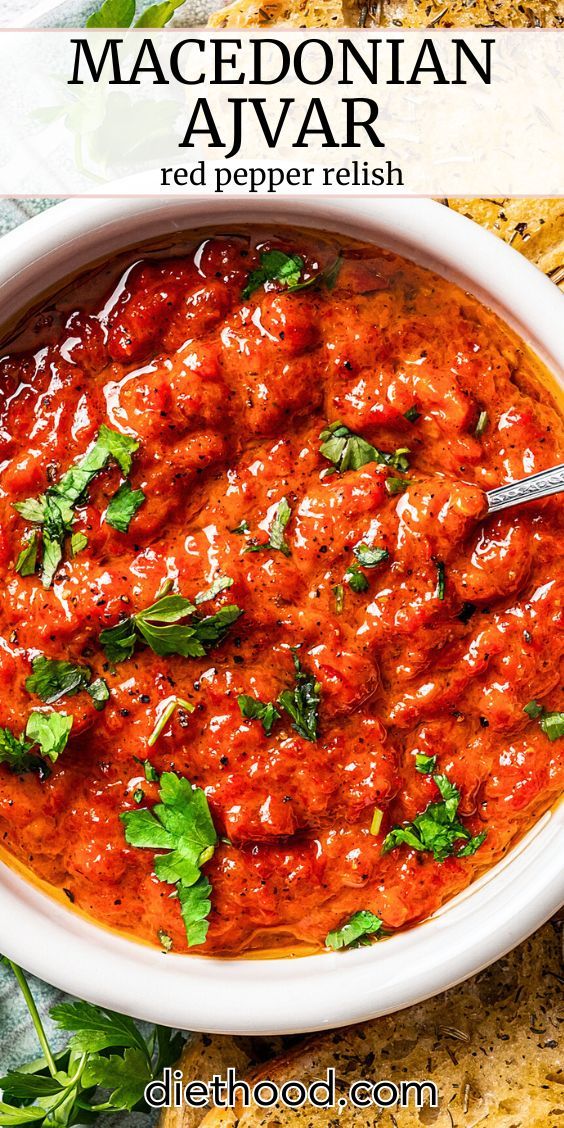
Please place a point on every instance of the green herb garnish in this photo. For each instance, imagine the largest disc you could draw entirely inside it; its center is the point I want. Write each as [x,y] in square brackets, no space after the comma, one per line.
[46,736]
[348,451]
[302,702]
[170,707]
[121,13]
[218,584]
[104,1068]
[355,931]
[481,424]
[441,579]
[412,414]
[552,724]
[275,266]
[162,628]
[396,485]
[437,829]
[253,709]
[369,556]
[53,511]
[52,679]
[243,527]
[425,765]
[123,507]
[356,579]
[99,692]
[78,543]
[181,825]
[276,534]
[27,560]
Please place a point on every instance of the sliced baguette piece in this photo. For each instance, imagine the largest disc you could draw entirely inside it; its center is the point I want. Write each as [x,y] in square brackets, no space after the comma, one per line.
[492,1045]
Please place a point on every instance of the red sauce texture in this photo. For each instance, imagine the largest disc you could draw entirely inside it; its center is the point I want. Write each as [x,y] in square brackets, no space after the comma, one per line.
[227,397]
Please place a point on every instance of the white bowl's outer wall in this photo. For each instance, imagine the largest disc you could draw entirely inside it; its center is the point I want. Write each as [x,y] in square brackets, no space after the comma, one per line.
[289,995]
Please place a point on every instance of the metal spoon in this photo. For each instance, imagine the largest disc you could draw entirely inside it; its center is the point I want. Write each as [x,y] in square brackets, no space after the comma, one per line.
[543,484]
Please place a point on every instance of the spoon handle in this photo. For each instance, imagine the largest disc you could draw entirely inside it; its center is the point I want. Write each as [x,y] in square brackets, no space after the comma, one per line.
[543,484]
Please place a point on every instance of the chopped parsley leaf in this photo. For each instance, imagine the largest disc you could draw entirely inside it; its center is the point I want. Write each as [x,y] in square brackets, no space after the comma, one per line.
[27,560]
[54,510]
[412,414]
[368,556]
[302,702]
[99,692]
[275,266]
[356,579]
[253,709]
[437,829]
[218,584]
[182,826]
[354,931]
[162,628]
[52,679]
[123,507]
[348,451]
[243,527]
[78,543]
[425,765]
[50,731]
[552,724]
[276,536]
[396,486]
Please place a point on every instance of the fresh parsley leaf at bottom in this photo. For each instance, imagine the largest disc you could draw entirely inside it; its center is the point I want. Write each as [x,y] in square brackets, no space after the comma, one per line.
[180,824]
[359,927]
[437,829]
[103,1069]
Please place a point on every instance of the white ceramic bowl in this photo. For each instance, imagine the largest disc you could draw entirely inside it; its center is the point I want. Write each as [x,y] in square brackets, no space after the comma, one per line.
[515,897]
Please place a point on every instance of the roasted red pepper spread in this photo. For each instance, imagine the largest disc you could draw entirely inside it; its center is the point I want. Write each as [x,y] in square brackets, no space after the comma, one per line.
[417,628]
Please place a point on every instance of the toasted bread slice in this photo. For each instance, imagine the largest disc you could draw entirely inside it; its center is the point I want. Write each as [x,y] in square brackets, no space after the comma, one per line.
[492,1045]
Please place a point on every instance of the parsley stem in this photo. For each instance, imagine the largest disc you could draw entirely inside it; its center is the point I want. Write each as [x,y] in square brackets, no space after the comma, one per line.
[30,1003]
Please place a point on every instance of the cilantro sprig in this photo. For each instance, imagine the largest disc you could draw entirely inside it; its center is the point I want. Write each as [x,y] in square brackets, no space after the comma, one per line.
[53,511]
[169,626]
[437,829]
[552,724]
[103,1069]
[355,932]
[349,451]
[181,825]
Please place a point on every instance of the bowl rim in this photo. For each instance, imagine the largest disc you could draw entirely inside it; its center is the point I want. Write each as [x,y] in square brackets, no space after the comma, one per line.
[290,995]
